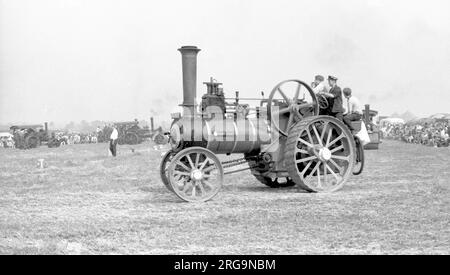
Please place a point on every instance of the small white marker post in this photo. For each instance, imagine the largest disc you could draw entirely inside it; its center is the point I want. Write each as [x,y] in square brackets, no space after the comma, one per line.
[41,163]
[41,172]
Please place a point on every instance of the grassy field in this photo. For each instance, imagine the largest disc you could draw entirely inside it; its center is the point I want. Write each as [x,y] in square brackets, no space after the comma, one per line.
[85,202]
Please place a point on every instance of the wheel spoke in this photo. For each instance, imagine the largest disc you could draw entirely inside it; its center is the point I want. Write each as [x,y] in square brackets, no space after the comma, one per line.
[305,142]
[305,159]
[204,163]
[298,150]
[200,186]
[315,168]
[181,173]
[193,190]
[309,136]
[346,158]
[305,105]
[324,173]
[336,140]
[341,169]
[324,130]
[184,166]
[190,161]
[306,168]
[330,133]
[186,186]
[283,95]
[297,93]
[281,111]
[317,134]
[177,179]
[197,159]
[332,172]
[210,168]
[337,148]
[206,183]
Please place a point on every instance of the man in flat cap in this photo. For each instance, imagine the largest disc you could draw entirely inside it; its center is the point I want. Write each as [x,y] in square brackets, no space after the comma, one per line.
[334,97]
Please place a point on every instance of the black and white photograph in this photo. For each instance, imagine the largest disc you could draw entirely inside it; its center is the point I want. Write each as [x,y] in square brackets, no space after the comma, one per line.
[224,127]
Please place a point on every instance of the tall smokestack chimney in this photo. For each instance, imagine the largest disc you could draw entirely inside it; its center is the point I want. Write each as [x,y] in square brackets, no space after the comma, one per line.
[152,126]
[189,61]
[367,114]
[46,126]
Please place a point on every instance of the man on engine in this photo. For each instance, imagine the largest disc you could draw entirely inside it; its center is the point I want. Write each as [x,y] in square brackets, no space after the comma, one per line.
[320,89]
[334,97]
[318,85]
[353,109]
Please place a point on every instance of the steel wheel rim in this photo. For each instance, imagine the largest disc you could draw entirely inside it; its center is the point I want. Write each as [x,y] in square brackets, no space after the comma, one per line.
[324,155]
[195,175]
[359,158]
[164,169]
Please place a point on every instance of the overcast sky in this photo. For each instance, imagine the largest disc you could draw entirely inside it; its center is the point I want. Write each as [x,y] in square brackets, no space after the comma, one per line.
[64,60]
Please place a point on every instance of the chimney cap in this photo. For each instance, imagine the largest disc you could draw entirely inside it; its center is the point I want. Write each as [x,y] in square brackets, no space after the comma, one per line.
[189,48]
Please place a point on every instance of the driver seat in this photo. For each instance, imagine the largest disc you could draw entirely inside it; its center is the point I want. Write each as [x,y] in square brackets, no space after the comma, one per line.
[357,125]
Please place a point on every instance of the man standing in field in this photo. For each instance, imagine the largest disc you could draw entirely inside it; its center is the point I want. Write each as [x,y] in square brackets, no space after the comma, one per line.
[113,141]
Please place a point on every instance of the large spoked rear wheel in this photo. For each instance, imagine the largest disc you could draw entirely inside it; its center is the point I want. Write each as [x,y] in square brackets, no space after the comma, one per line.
[131,139]
[195,174]
[320,154]
[359,160]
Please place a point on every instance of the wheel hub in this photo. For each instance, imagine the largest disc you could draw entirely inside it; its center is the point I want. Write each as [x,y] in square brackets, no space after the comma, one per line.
[196,174]
[325,154]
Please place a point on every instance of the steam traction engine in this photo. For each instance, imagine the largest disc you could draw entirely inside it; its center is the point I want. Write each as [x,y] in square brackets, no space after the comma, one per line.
[32,136]
[157,135]
[283,139]
[131,133]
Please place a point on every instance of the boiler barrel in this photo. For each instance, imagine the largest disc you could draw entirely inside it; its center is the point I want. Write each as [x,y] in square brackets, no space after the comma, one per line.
[222,136]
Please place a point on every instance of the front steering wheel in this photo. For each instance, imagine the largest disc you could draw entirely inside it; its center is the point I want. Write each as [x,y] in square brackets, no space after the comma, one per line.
[290,107]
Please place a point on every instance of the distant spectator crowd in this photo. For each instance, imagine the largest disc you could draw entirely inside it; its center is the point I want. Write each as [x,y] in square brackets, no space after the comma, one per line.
[17,138]
[100,135]
[6,140]
[435,134]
